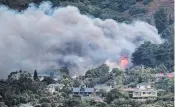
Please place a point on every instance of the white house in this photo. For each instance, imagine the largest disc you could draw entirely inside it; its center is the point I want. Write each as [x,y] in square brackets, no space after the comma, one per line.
[144,91]
[54,87]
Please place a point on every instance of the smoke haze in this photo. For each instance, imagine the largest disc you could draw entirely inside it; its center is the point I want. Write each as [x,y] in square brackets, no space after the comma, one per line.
[45,38]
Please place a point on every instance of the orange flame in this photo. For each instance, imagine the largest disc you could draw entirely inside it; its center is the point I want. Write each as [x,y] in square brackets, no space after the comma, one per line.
[124,62]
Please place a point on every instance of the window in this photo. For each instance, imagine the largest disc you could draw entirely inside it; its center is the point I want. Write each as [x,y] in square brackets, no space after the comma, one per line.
[144,92]
[148,92]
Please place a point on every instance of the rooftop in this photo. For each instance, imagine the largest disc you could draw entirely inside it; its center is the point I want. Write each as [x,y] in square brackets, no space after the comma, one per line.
[129,89]
[85,90]
[144,83]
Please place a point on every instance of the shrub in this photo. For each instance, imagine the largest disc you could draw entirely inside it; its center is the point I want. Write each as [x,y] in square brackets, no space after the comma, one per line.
[146,2]
[45,100]
[137,10]
[45,105]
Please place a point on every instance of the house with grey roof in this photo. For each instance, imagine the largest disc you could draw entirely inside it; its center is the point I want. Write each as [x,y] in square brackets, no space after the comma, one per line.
[83,91]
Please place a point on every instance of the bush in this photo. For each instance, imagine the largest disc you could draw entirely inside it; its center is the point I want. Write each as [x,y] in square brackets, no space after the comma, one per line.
[146,2]
[125,4]
[44,100]
[114,94]
[45,105]
[48,80]
[168,33]
[137,10]
[94,10]
[108,14]
[149,101]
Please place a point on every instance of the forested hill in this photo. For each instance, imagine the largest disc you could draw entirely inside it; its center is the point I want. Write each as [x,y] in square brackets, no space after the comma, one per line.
[158,13]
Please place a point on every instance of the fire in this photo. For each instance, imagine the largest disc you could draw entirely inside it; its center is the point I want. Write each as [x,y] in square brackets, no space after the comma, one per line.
[169,75]
[124,62]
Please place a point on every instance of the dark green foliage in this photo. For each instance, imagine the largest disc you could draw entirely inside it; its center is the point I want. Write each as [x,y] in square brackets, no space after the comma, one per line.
[140,80]
[108,13]
[138,10]
[64,70]
[161,19]
[146,2]
[48,80]
[45,105]
[90,83]
[94,10]
[76,83]
[103,79]
[66,90]
[139,0]
[100,104]
[17,90]
[98,75]
[124,4]
[97,72]
[45,100]
[114,94]
[116,71]
[153,55]
[19,4]
[144,54]
[124,103]
[168,33]
[166,84]
[72,102]
[35,76]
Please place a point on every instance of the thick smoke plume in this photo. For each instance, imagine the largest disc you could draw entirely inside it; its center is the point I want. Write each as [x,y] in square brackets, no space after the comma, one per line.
[44,38]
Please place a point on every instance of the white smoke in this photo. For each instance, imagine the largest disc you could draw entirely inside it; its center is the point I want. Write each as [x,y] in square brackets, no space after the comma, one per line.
[45,38]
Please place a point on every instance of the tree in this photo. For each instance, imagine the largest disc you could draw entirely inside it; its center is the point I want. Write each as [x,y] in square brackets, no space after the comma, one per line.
[146,2]
[152,55]
[161,20]
[138,10]
[168,33]
[35,76]
[114,94]
[117,76]
[48,80]
[124,103]
[64,70]
[90,83]
[76,83]
[97,72]
[140,80]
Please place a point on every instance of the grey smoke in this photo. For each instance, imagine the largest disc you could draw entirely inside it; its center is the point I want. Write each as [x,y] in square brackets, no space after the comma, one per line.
[45,38]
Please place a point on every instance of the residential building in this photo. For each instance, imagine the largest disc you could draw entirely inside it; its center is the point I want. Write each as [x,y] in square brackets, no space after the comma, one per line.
[142,91]
[54,87]
[83,91]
